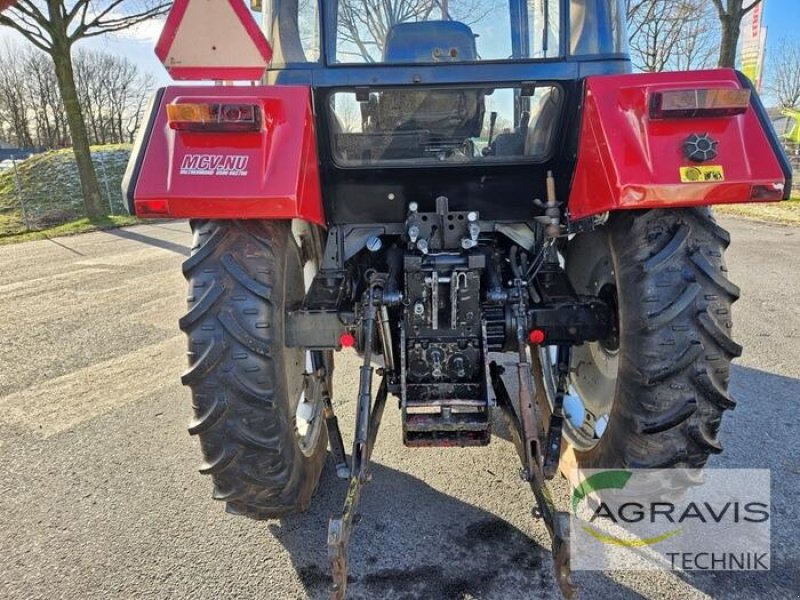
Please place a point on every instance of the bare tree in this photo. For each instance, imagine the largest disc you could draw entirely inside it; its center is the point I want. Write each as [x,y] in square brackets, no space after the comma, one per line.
[697,48]
[112,94]
[634,15]
[55,26]
[348,113]
[14,113]
[665,34]
[111,90]
[731,13]
[31,111]
[364,24]
[128,97]
[655,33]
[44,98]
[784,77]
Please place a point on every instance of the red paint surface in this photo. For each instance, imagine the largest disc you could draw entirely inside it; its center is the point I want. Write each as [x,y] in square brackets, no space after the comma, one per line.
[282,179]
[4,4]
[199,73]
[627,161]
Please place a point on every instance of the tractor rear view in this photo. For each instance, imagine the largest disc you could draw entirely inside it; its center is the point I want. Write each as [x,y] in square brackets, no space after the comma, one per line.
[432,188]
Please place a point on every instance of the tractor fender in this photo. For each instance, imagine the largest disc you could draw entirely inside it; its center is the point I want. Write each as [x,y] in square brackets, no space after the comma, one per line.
[630,158]
[267,172]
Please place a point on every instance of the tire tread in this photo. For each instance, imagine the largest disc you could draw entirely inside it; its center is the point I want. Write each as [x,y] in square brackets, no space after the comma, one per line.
[676,347]
[243,415]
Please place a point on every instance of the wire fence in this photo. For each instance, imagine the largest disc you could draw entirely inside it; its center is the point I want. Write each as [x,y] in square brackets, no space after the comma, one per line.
[44,190]
[793,152]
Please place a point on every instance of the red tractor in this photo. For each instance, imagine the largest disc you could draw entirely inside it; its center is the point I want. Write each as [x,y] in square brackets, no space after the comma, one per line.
[430,182]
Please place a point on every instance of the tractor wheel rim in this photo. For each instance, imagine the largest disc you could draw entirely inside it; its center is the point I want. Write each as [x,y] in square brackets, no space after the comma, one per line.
[308,417]
[593,369]
[590,395]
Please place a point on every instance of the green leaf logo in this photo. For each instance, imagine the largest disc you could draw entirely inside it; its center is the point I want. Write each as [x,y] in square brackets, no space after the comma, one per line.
[607,480]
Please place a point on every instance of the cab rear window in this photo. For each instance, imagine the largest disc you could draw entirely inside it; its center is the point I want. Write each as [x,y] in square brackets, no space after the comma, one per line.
[447,125]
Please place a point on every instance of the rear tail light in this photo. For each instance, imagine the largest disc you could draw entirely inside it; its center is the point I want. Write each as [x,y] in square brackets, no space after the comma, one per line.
[768,193]
[152,208]
[699,103]
[214,117]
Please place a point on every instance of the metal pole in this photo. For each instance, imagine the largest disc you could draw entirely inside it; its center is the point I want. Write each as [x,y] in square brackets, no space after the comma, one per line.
[266,19]
[546,29]
[20,197]
[101,156]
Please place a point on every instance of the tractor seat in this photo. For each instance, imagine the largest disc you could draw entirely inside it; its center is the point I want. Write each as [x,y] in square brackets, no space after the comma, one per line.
[542,125]
[446,116]
[430,42]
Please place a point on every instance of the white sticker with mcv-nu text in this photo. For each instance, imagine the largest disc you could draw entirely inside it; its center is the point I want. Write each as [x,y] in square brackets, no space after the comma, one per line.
[220,165]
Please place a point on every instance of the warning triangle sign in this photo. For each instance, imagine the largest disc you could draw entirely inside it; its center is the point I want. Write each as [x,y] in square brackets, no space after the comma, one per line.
[213,40]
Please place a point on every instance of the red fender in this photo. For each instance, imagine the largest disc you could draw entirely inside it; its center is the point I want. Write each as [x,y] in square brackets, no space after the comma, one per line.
[272,173]
[628,160]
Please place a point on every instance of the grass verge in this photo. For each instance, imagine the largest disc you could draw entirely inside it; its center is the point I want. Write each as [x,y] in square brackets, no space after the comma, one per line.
[44,191]
[70,228]
[787,213]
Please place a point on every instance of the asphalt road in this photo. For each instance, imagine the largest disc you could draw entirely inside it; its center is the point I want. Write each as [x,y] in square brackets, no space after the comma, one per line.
[101,497]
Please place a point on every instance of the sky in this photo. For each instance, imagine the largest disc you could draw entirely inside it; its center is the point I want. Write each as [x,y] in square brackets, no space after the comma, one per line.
[782,17]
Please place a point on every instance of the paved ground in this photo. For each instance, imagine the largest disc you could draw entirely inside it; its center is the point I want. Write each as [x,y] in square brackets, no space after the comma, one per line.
[100,498]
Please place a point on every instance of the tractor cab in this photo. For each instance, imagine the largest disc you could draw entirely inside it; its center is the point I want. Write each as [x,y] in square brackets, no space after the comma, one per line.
[419,85]
[357,32]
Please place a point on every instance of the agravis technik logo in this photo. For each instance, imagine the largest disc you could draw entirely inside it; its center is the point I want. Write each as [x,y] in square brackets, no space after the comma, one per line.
[682,519]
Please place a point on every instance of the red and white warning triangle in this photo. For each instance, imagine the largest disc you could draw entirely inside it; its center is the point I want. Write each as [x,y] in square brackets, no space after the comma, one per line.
[213,40]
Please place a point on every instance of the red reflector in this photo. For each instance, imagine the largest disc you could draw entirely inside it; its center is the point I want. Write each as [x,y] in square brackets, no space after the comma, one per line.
[152,208]
[698,103]
[347,340]
[766,193]
[185,116]
[536,336]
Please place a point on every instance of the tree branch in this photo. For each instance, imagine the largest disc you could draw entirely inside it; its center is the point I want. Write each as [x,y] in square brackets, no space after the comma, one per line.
[99,16]
[122,23]
[751,7]
[34,36]
[30,9]
[720,8]
[107,22]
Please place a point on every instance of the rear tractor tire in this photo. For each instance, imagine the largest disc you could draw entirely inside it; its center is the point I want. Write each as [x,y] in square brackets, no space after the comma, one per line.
[653,394]
[263,442]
